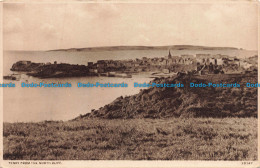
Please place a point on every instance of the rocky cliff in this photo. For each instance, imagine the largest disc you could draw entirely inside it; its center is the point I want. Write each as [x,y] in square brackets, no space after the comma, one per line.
[42,70]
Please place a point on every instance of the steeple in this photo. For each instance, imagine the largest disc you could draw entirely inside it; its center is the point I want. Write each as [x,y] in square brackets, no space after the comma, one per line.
[169,55]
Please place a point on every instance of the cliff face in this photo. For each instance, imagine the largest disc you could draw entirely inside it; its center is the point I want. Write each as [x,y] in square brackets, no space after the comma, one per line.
[186,102]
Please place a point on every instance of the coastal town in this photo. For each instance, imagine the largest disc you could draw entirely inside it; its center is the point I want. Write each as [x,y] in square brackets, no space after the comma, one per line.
[201,63]
[198,64]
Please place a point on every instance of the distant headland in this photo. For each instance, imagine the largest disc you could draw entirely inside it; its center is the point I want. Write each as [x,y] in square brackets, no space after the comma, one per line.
[167,47]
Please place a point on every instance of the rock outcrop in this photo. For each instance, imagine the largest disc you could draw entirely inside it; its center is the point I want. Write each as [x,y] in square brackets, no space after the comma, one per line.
[48,70]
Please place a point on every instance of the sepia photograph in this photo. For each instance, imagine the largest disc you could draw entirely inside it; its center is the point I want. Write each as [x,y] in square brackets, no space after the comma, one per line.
[129,80]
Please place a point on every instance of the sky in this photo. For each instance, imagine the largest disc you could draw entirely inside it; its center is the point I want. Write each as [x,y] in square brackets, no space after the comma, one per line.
[47,26]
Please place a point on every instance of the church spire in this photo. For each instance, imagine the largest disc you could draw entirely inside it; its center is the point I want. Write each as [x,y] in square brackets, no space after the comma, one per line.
[169,55]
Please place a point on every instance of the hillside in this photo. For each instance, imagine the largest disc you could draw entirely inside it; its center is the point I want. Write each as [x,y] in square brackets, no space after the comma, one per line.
[187,101]
[173,47]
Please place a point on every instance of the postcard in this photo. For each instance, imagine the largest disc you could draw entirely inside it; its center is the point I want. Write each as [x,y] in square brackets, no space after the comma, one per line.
[129,83]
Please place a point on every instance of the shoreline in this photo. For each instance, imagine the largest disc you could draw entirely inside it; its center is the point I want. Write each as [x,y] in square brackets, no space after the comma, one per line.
[147,93]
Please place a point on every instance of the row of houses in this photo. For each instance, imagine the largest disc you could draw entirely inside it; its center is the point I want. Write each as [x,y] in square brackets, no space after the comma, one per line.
[165,62]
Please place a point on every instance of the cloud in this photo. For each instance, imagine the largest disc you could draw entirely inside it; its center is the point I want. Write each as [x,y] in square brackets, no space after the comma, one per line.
[13,25]
[49,30]
[67,25]
[140,40]
[106,11]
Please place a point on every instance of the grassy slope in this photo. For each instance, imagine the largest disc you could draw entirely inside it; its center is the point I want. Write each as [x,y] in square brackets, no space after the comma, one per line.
[134,139]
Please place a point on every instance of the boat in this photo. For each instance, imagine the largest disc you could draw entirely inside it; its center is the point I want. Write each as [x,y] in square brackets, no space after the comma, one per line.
[12,77]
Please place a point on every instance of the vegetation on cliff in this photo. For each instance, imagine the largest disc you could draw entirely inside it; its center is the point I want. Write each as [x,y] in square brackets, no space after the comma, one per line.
[158,102]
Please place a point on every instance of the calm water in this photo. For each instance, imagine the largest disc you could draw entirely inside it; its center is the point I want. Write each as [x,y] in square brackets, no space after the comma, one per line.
[38,104]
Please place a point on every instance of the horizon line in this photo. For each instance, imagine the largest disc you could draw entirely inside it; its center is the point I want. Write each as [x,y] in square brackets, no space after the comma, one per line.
[179,45]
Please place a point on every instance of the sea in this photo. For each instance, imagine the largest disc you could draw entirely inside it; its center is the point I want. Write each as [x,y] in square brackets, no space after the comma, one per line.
[62,104]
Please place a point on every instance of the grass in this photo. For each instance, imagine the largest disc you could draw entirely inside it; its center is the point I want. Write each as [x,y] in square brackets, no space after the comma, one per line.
[133,139]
